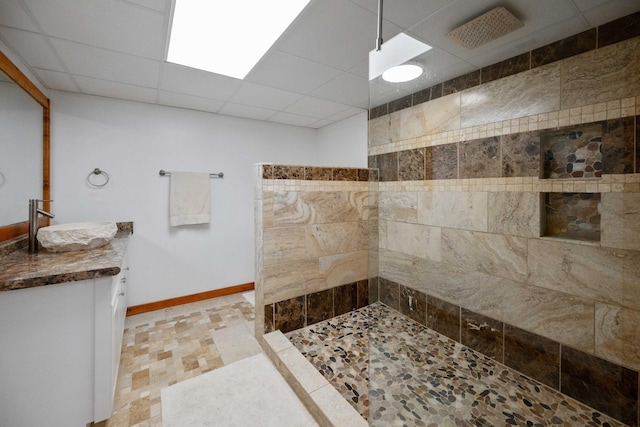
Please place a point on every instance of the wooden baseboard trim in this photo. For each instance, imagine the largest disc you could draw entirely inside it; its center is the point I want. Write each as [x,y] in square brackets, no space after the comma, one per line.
[172,302]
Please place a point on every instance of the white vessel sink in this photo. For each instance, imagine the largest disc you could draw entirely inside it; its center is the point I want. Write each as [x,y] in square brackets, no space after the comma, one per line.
[76,236]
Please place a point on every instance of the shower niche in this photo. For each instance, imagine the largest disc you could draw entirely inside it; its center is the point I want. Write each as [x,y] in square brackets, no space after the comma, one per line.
[572,153]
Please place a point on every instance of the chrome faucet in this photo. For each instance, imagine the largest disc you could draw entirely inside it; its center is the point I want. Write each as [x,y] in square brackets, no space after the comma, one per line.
[34,210]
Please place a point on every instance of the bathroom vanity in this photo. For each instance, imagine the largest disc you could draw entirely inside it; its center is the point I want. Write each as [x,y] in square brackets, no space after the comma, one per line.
[61,325]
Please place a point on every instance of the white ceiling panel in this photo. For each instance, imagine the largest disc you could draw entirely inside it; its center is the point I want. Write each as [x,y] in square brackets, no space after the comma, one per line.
[189,101]
[178,78]
[314,107]
[57,80]
[104,64]
[332,23]
[291,73]
[33,48]
[264,97]
[116,90]
[159,5]
[292,119]
[15,16]
[109,24]
[246,111]
[315,74]
[346,89]
[610,11]
[405,13]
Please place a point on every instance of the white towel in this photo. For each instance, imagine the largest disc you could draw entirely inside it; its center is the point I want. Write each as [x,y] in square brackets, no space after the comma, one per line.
[189,198]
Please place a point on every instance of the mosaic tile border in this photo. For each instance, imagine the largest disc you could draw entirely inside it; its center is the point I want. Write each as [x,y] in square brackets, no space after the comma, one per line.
[510,155]
[612,32]
[301,311]
[628,183]
[316,173]
[603,385]
[309,186]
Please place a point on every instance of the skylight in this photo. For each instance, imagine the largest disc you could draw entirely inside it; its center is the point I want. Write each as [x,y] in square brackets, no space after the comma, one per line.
[228,37]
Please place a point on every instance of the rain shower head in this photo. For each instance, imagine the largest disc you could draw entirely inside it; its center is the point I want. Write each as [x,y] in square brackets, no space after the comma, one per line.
[485,28]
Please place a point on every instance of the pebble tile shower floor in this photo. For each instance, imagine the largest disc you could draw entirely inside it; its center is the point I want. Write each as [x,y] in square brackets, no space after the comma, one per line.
[396,372]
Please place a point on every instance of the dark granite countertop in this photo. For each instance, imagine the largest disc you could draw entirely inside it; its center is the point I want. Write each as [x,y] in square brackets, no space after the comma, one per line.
[21,269]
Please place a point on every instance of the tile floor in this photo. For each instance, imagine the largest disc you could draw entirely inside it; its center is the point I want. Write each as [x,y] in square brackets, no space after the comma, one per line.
[164,347]
[397,372]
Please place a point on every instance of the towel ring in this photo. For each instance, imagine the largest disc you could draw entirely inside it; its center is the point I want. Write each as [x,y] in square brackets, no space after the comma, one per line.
[98,171]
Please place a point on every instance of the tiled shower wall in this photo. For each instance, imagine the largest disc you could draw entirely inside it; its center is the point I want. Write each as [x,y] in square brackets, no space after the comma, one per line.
[461,215]
[312,243]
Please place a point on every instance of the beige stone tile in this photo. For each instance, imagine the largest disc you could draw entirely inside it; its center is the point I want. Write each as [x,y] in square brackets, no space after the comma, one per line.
[235,343]
[589,271]
[284,244]
[336,409]
[440,115]
[299,367]
[277,341]
[337,270]
[319,207]
[618,335]
[398,206]
[620,220]
[379,131]
[399,267]
[524,94]
[467,211]
[498,255]
[330,239]
[516,214]
[606,74]
[291,279]
[555,315]
[267,209]
[413,239]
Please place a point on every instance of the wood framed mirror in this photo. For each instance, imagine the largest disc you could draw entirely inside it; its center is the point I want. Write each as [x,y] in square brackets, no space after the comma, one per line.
[11,228]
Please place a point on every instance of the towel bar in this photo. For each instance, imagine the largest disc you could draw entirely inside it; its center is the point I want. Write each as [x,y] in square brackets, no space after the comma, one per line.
[211,175]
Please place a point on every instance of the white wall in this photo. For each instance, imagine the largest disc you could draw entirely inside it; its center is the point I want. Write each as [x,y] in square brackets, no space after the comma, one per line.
[132,142]
[344,143]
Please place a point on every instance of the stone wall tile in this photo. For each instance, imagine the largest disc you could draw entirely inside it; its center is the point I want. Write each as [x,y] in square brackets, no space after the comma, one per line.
[335,238]
[514,213]
[618,335]
[413,304]
[336,270]
[533,355]
[441,162]
[283,244]
[498,255]
[480,158]
[589,271]
[554,315]
[439,115]
[466,211]
[602,385]
[411,165]
[605,74]
[525,94]
[620,220]
[521,154]
[291,279]
[413,239]
[443,317]
[398,206]
[319,207]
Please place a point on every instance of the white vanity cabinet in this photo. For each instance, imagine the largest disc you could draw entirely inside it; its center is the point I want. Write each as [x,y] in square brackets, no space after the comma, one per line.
[60,351]
[108,339]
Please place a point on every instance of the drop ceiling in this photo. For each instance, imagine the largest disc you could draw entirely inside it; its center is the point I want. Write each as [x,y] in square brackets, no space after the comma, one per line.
[315,74]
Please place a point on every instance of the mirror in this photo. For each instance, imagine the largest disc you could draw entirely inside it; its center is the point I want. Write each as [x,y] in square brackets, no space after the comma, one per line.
[24,149]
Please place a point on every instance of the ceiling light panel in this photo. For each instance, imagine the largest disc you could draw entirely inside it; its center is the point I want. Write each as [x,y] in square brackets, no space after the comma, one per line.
[228,37]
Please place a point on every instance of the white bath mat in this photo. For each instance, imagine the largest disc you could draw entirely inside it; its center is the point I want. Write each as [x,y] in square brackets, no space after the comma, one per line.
[249,392]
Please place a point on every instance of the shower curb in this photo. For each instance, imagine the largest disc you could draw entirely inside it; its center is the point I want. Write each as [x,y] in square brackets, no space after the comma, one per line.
[322,400]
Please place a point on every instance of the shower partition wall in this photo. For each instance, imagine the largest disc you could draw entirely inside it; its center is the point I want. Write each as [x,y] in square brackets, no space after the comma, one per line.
[492,306]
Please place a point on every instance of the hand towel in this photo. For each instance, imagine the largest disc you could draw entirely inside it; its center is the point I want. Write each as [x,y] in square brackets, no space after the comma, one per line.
[189,198]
